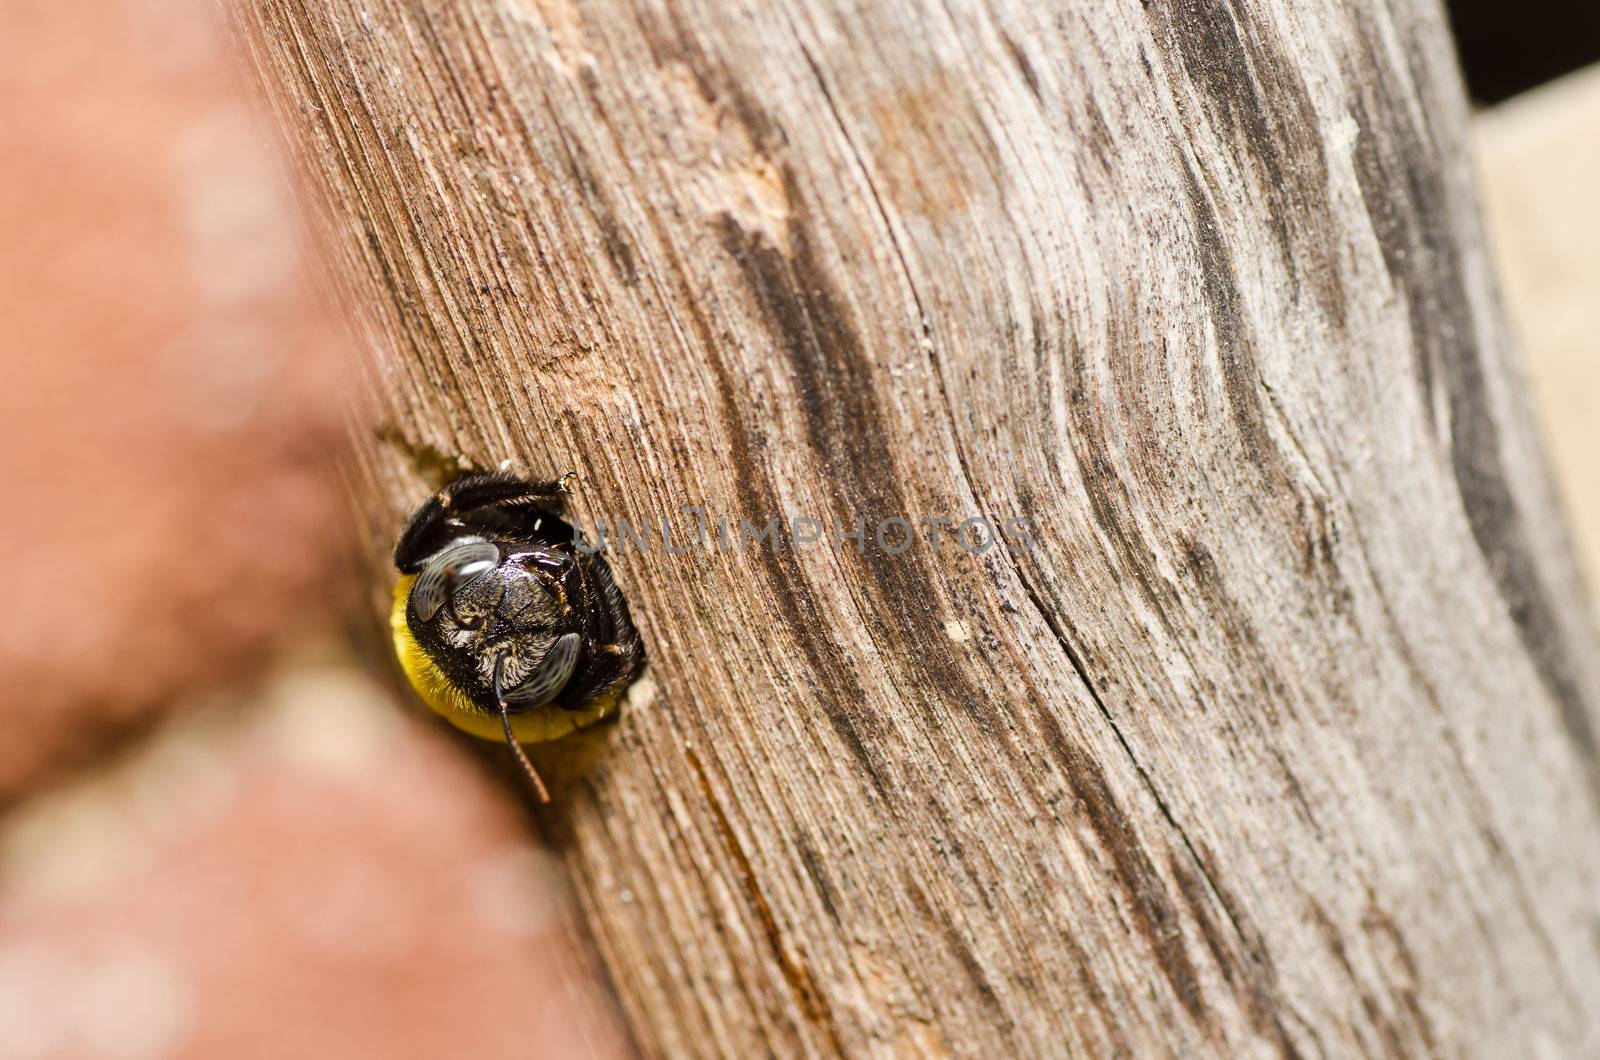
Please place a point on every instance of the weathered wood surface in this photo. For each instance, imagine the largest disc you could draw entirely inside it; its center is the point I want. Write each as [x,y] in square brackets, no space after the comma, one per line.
[1282,738]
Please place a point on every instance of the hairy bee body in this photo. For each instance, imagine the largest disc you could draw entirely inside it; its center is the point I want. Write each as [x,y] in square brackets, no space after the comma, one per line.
[502,625]
[445,697]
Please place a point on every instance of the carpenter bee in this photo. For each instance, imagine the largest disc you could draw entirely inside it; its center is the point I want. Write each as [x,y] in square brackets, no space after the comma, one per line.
[503,625]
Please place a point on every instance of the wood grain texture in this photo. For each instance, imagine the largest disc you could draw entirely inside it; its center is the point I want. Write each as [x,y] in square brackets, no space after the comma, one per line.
[1280,742]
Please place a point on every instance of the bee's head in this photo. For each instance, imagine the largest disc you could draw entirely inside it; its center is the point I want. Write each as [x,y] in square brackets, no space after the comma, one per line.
[488,615]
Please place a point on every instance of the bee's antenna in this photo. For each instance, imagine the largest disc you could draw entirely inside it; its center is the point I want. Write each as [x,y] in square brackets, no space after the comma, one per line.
[539,791]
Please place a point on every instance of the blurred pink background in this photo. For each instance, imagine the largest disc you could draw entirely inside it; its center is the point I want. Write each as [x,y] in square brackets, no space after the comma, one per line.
[220,837]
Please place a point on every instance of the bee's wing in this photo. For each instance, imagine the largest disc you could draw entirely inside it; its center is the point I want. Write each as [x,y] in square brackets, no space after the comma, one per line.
[549,677]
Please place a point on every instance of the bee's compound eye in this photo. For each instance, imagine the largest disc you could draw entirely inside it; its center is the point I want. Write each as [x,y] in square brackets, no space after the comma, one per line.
[549,677]
[448,572]
[462,576]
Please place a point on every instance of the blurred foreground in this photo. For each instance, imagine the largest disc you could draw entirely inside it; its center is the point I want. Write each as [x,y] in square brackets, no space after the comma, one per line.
[299,870]
[221,838]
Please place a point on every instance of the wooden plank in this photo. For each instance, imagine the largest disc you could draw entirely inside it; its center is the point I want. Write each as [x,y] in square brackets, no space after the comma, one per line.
[1281,737]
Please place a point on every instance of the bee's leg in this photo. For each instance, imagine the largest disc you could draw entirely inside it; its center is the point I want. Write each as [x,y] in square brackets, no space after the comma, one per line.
[425,532]
[493,488]
[612,651]
[424,535]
